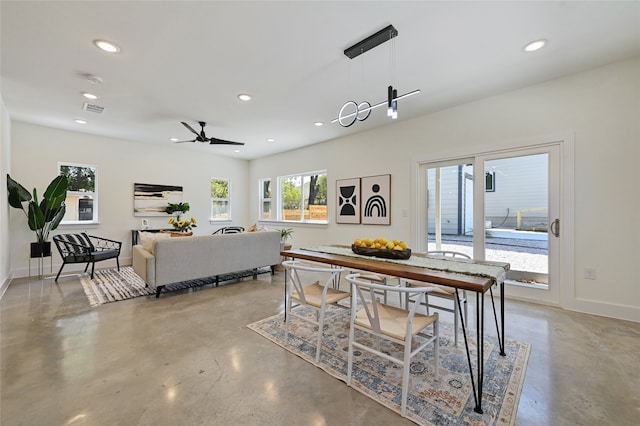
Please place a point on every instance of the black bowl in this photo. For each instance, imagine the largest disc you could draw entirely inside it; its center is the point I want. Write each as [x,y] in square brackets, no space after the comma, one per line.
[382,253]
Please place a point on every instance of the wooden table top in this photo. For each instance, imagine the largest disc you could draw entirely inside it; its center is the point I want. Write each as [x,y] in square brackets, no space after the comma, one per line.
[451,279]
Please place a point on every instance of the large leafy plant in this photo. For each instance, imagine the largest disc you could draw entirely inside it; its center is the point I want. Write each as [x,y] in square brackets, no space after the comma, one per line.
[42,216]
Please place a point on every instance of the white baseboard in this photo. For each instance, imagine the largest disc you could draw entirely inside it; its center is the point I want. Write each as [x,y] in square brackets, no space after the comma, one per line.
[5,285]
[610,310]
[73,268]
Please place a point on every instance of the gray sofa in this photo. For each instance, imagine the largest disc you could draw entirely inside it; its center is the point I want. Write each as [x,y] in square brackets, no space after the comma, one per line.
[170,260]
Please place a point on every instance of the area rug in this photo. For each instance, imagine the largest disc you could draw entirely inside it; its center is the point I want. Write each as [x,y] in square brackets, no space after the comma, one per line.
[448,401]
[111,285]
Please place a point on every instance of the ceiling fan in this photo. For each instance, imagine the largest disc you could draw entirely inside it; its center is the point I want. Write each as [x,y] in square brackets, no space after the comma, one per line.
[201,137]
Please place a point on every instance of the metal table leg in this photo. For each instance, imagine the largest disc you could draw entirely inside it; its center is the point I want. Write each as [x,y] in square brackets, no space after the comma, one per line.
[477,389]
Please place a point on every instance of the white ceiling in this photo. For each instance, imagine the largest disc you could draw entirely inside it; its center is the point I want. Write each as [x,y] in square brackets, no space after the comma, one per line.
[188,61]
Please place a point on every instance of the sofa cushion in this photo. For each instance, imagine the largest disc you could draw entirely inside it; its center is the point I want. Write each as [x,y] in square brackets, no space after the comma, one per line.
[149,239]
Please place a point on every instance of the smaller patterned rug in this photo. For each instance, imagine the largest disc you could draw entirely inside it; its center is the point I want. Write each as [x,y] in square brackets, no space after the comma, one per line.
[111,285]
[447,401]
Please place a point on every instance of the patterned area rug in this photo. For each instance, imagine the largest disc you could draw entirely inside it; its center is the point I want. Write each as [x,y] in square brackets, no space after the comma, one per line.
[448,401]
[111,285]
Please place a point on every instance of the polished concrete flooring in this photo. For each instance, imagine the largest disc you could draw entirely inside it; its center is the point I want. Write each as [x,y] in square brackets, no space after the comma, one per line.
[189,359]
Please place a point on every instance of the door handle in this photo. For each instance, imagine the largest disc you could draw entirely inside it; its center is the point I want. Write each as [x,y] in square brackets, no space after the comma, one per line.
[555,227]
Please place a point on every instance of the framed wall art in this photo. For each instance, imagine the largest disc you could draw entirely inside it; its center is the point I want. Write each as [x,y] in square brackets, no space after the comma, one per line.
[348,200]
[376,200]
[152,200]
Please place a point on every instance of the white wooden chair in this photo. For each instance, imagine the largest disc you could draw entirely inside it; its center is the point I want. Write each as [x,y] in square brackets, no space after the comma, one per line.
[443,293]
[390,323]
[312,287]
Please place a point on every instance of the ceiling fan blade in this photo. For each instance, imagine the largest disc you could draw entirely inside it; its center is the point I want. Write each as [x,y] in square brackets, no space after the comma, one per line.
[214,141]
[185,141]
[190,128]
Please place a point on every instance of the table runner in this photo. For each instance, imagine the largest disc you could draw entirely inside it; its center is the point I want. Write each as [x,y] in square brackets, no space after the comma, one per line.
[461,266]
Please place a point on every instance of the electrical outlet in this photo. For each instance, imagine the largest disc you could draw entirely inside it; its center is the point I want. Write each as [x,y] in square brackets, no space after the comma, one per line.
[590,273]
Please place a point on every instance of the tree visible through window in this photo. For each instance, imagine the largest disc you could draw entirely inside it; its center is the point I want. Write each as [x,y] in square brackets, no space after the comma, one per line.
[82,194]
[265,199]
[220,206]
[303,198]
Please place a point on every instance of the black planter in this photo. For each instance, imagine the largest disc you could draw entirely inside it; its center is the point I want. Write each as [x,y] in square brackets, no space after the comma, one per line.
[41,249]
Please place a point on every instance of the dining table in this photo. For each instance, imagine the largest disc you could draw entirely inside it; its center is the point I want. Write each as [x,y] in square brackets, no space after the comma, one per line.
[477,276]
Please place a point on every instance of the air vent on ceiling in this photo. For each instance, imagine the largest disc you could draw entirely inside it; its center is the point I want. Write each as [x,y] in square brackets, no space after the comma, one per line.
[92,108]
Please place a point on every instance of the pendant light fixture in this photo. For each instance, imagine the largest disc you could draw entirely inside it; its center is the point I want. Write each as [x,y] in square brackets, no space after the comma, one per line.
[351,110]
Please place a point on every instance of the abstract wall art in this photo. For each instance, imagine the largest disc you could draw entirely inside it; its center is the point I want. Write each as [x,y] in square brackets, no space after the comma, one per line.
[152,199]
[376,200]
[348,200]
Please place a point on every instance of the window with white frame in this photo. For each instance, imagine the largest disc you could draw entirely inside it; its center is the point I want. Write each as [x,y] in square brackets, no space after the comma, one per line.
[265,199]
[82,194]
[303,197]
[220,199]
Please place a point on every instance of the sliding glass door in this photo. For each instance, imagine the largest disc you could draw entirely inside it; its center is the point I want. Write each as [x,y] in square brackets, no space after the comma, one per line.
[500,206]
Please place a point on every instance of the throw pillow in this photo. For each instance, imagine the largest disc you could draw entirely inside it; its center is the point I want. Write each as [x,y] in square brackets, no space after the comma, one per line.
[149,239]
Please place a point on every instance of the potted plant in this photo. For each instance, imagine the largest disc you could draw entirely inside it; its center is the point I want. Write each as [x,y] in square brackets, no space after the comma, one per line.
[178,208]
[182,227]
[285,234]
[42,216]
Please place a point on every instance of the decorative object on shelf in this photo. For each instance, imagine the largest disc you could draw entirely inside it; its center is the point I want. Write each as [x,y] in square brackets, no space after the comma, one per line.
[177,233]
[180,225]
[178,208]
[43,216]
[351,110]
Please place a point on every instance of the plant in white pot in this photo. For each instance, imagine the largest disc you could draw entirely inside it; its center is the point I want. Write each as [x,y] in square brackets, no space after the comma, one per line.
[42,216]
[285,234]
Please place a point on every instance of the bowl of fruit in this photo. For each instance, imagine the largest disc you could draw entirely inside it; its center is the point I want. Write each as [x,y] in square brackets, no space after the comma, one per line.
[381,247]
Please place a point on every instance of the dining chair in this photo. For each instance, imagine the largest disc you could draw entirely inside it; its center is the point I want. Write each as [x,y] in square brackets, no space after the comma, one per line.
[377,321]
[386,280]
[313,287]
[443,293]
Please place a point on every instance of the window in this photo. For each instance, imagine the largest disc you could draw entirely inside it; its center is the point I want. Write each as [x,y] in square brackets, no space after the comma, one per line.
[82,195]
[220,205]
[303,197]
[265,199]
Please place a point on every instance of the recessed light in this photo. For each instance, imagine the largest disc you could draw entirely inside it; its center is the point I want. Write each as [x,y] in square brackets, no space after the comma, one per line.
[80,121]
[318,123]
[173,139]
[244,97]
[236,150]
[93,79]
[271,140]
[90,96]
[535,45]
[106,46]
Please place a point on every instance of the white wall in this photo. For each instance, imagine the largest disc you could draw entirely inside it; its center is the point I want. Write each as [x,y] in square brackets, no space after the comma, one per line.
[36,151]
[601,108]
[5,158]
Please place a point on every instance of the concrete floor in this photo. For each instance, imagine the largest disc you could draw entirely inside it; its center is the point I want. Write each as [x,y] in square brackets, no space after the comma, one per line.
[188,359]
